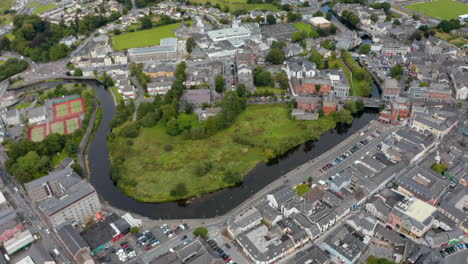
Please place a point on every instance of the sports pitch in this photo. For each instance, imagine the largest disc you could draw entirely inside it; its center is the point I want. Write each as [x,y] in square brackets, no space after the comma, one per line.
[443,9]
[37,133]
[69,108]
[57,127]
[72,124]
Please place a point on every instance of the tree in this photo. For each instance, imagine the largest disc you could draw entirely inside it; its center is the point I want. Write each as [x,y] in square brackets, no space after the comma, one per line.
[365,48]
[313,34]
[396,71]
[299,36]
[264,79]
[375,260]
[219,83]
[188,108]
[329,16]
[424,84]
[179,190]
[310,179]
[318,14]
[232,177]
[78,72]
[201,232]
[172,127]
[360,105]
[344,116]
[190,44]
[439,167]
[350,106]
[374,18]
[396,22]
[241,90]
[282,79]
[270,19]
[134,230]
[146,22]
[276,56]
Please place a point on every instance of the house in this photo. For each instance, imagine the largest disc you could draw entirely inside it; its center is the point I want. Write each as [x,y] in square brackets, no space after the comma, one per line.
[444,239]
[244,221]
[312,229]
[345,245]
[316,86]
[129,92]
[329,104]
[436,122]
[161,71]
[459,82]
[312,255]
[378,208]
[155,88]
[452,206]
[119,58]
[198,97]
[37,114]
[280,195]
[320,22]
[309,104]
[363,223]
[391,89]
[75,244]
[292,49]
[341,180]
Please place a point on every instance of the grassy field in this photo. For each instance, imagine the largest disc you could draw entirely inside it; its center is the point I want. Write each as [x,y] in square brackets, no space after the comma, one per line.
[33,4]
[262,89]
[443,9]
[143,38]
[158,162]
[6,4]
[301,189]
[455,40]
[44,8]
[22,105]
[303,26]
[239,4]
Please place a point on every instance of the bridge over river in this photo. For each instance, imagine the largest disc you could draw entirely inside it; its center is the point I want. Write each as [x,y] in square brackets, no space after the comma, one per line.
[368,102]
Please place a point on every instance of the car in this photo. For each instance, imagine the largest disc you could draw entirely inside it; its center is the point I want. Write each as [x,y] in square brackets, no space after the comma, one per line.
[389,227]
[186,226]
[123,243]
[460,246]
[183,237]
[222,254]
[226,256]
[322,171]
[402,235]
[216,248]
[125,246]
[227,260]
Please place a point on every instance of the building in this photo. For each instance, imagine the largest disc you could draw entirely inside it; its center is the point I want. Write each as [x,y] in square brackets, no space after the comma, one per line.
[12,117]
[391,89]
[244,221]
[412,216]
[63,195]
[320,22]
[166,50]
[345,245]
[76,246]
[309,104]
[198,97]
[439,124]
[321,86]
[280,195]
[236,33]
[155,88]
[10,223]
[18,241]
[37,114]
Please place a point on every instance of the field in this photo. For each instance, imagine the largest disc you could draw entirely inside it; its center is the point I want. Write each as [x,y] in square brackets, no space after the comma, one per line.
[143,38]
[76,106]
[44,8]
[6,4]
[60,110]
[301,189]
[68,108]
[72,124]
[263,89]
[57,127]
[239,4]
[303,26]
[453,39]
[443,9]
[156,162]
[37,133]
[33,4]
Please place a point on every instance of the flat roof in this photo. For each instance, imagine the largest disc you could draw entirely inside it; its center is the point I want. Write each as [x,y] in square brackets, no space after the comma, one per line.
[420,210]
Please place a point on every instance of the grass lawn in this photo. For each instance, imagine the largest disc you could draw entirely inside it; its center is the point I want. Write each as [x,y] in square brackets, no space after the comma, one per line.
[57,159]
[6,4]
[44,8]
[262,89]
[301,189]
[118,96]
[22,105]
[443,9]
[33,4]
[143,38]
[303,26]
[355,87]
[157,169]
[239,4]
[455,40]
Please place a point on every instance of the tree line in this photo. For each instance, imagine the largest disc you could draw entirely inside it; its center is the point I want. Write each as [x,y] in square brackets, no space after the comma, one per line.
[11,67]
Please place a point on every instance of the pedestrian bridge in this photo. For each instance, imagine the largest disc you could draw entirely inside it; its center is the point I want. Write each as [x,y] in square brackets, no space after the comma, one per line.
[368,102]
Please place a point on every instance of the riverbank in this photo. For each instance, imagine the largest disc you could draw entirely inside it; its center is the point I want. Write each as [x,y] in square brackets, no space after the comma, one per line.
[161,168]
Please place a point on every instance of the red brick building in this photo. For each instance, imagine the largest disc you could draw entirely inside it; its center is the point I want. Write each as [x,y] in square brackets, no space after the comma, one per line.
[308,104]
[329,104]
[309,86]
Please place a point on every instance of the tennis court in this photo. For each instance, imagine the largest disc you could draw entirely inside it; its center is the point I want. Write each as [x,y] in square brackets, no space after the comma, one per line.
[37,133]
[72,124]
[57,127]
[68,108]
[77,106]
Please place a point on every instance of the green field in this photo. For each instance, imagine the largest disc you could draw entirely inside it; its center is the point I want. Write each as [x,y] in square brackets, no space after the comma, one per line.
[37,134]
[143,38]
[44,8]
[156,162]
[301,189]
[61,110]
[33,4]
[303,26]
[22,105]
[76,106]
[239,4]
[72,125]
[58,127]
[263,89]
[443,9]
[6,4]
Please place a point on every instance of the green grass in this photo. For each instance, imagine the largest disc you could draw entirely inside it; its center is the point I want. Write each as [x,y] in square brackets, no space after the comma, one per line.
[239,4]
[355,87]
[143,38]
[44,8]
[57,159]
[301,189]
[22,105]
[118,96]
[6,4]
[303,26]
[443,9]
[10,36]
[33,4]
[262,89]
[157,171]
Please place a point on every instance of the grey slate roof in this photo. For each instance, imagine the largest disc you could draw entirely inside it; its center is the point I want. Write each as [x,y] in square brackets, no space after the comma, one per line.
[72,238]
[8,219]
[50,177]
[283,193]
[37,112]
[100,233]
[423,183]
[341,237]
[312,255]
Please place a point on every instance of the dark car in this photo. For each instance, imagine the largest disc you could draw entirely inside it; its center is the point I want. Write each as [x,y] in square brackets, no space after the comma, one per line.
[403,236]
[186,226]
[184,237]
[123,243]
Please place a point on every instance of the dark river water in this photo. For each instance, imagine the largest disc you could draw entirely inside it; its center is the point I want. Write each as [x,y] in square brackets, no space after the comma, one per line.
[217,203]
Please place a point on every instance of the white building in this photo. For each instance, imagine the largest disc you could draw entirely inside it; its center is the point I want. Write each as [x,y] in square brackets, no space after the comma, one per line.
[155,88]
[37,114]
[12,117]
